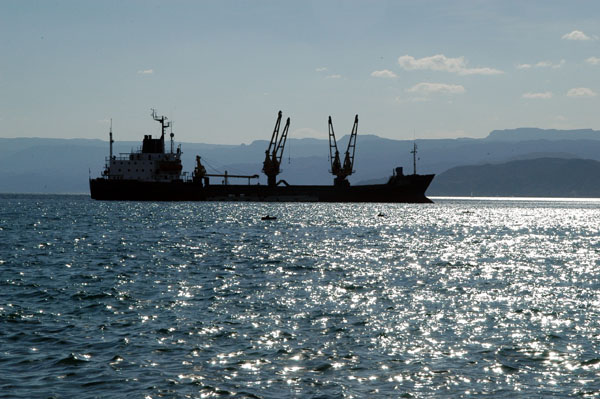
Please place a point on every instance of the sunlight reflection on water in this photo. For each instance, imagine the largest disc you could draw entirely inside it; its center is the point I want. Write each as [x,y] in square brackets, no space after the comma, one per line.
[456,298]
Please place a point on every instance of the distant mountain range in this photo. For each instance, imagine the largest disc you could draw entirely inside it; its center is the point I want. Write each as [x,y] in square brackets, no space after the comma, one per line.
[29,165]
[539,177]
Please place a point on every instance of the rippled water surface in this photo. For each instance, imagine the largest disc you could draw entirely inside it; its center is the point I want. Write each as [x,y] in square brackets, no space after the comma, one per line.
[178,300]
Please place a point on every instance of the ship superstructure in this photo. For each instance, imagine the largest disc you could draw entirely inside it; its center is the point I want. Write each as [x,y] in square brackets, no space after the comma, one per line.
[150,163]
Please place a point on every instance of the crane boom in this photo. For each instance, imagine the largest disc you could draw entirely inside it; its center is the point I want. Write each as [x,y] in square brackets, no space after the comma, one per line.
[275,134]
[339,170]
[278,151]
[334,154]
[349,158]
[274,152]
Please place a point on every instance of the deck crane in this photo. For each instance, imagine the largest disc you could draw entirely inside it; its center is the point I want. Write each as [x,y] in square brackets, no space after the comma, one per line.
[339,170]
[274,152]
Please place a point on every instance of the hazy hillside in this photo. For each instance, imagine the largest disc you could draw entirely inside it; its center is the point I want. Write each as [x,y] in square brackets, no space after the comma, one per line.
[63,166]
[531,133]
[541,177]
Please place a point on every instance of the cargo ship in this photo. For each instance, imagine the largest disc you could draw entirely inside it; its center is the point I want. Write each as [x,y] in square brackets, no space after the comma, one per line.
[154,174]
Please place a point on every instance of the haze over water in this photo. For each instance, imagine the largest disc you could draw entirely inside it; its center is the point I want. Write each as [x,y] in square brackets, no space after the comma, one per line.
[190,300]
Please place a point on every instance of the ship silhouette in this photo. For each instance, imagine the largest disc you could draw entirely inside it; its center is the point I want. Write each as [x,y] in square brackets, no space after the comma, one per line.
[154,174]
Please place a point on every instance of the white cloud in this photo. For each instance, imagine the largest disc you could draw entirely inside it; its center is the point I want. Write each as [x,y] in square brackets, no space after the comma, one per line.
[576,35]
[428,88]
[581,92]
[321,69]
[440,62]
[593,60]
[334,76]
[386,73]
[543,64]
[550,64]
[146,72]
[403,100]
[543,96]
[481,71]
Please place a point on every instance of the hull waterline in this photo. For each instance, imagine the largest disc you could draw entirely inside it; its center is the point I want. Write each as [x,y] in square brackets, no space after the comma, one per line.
[410,190]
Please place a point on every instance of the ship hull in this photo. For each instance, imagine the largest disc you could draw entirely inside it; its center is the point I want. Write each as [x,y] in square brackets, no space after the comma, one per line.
[409,189]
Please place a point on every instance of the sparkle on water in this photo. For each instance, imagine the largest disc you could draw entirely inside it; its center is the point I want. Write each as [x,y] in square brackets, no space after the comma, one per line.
[201,300]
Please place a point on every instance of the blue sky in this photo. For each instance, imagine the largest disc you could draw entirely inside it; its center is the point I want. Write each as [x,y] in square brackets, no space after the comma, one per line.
[222,69]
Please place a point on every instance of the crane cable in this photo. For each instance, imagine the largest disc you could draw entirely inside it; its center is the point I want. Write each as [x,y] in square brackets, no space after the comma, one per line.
[217,171]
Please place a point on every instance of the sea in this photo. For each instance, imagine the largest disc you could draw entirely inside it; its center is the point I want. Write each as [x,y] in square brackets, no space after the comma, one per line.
[459,298]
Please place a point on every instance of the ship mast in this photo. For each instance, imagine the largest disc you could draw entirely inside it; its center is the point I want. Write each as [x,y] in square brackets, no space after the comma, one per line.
[414,152]
[110,140]
[164,125]
[171,135]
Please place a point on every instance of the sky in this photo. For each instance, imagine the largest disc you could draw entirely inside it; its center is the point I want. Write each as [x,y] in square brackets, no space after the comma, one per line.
[221,70]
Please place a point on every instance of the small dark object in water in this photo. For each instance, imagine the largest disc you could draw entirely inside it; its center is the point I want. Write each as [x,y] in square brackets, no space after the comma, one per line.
[381,215]
[268,217]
